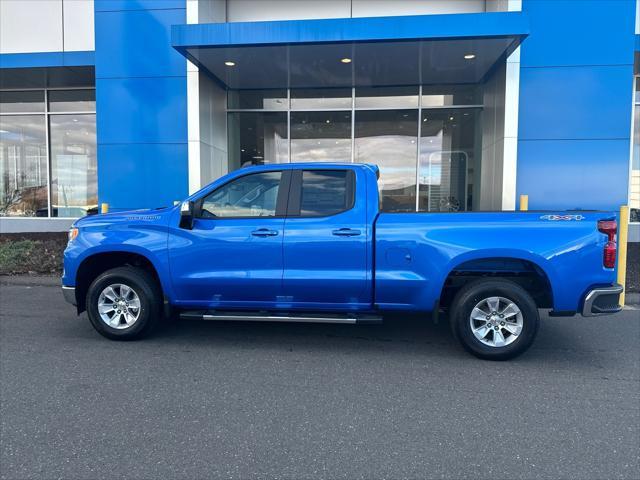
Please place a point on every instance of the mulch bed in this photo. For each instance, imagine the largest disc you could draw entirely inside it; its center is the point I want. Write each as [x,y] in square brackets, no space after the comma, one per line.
[32,253]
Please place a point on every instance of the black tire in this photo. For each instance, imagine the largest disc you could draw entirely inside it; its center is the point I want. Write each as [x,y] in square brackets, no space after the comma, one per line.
[148,292]
[475,292]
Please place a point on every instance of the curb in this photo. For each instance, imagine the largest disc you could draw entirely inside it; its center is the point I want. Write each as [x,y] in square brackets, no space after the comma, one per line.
[632,298]
[31,280]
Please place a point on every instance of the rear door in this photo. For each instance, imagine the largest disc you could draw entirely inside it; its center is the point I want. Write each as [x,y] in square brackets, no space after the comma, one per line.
[326,241]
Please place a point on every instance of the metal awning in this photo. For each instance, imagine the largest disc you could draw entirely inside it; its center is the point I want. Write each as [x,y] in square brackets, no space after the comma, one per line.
[407,50]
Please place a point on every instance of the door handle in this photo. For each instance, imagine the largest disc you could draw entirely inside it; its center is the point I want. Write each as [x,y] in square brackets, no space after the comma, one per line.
[264,232]
[346,232]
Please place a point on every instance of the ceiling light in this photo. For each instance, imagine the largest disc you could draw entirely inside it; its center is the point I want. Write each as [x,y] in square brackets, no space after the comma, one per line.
[328,121]
[469,56]
[451,118]
[229,63]
[257,157]
[345,60]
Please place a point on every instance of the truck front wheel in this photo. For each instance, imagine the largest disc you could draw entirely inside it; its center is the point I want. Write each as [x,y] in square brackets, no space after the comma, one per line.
[124,303]
[494,319]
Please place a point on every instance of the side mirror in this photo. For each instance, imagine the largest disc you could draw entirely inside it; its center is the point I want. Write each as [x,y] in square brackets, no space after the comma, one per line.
[187,215]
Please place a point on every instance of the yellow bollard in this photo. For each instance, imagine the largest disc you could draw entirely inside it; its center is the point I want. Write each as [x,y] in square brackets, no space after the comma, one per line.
[104,208]
[524,203]
[623,231]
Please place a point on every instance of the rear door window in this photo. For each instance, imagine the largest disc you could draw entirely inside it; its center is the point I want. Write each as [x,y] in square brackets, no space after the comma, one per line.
[322,193]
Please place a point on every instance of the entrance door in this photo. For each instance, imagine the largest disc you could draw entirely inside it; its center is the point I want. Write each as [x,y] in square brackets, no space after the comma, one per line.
[325,242]
[233,255]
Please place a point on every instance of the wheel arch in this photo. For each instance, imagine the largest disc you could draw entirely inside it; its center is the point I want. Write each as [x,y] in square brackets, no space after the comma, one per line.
[97,263]
[520,269]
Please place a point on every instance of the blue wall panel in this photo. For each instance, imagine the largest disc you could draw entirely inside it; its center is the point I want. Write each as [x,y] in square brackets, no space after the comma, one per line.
[47,59]
[143,175]
[578,32]
[141,104]
[142,40]
[120,5]
[575,103]
[567,174]
[134,113]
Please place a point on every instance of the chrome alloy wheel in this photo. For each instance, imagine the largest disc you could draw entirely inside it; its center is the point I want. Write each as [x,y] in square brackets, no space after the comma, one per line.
[119,306]
[496,321]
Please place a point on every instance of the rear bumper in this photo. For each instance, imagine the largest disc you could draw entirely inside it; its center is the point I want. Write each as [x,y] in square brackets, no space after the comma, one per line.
[69,294]
[602,301]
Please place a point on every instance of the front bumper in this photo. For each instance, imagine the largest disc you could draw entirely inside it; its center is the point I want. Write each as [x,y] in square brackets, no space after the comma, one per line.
[602,301]
[69,294]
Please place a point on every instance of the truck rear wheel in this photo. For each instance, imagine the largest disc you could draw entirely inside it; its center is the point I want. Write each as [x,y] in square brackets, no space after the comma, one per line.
[494,319]
[124,303]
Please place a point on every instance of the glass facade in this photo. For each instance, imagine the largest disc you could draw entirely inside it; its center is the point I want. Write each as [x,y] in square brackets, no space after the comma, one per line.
[424,139]
[389,139]
[48,163]
[634,179]
[321,136]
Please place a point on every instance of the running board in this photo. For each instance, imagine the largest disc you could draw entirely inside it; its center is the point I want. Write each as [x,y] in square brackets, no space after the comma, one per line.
[275,317]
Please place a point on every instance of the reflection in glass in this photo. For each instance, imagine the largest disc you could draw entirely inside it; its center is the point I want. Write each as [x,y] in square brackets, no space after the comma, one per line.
[321,136]
[73,164]
[72,100]
[325,192]
[22,101]
[447,157]
[273,99]
[320,98]
[253,195]
[634,193]
[447,95]
[23,166]
[387,97]
[257,138]
[389,139]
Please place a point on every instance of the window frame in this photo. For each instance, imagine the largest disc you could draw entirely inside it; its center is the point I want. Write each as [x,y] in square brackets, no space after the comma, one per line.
[294,205]
[281,200]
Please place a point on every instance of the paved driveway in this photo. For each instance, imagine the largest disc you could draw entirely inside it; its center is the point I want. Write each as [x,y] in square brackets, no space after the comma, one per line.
[248,400]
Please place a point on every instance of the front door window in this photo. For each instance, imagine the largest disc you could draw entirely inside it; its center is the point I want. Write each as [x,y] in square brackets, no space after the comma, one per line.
[249,196]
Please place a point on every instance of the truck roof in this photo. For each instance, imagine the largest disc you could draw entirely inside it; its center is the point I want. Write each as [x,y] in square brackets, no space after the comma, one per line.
[318,165]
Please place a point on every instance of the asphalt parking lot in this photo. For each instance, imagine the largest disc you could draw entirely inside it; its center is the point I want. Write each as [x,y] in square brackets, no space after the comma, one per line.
[249,400]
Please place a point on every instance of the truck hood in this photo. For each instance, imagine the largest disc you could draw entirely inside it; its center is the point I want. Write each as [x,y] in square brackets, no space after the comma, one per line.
[157,216]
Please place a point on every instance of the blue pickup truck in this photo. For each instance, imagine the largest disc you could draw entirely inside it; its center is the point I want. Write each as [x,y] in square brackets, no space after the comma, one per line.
[308,243]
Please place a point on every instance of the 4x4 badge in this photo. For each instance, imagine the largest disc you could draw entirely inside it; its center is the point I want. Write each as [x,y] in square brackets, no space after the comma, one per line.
[562,217]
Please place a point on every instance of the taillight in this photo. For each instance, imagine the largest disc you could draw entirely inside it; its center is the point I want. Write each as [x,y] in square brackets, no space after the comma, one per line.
[609,228]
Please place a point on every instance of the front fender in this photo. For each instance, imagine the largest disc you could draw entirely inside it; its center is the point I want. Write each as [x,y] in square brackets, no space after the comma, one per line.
[149,242]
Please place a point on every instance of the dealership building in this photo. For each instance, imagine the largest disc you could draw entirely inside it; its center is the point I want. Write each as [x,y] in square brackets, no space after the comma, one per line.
[463,104]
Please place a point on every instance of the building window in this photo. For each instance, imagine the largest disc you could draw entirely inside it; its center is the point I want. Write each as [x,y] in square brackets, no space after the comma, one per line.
[48,163]
[256,138]
[447,159]
[634,190]
[424,139]
[389,139]
[321,136]
[23,164]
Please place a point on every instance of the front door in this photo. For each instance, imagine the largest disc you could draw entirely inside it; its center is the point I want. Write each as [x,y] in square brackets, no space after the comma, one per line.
[233,255]
[326,240]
